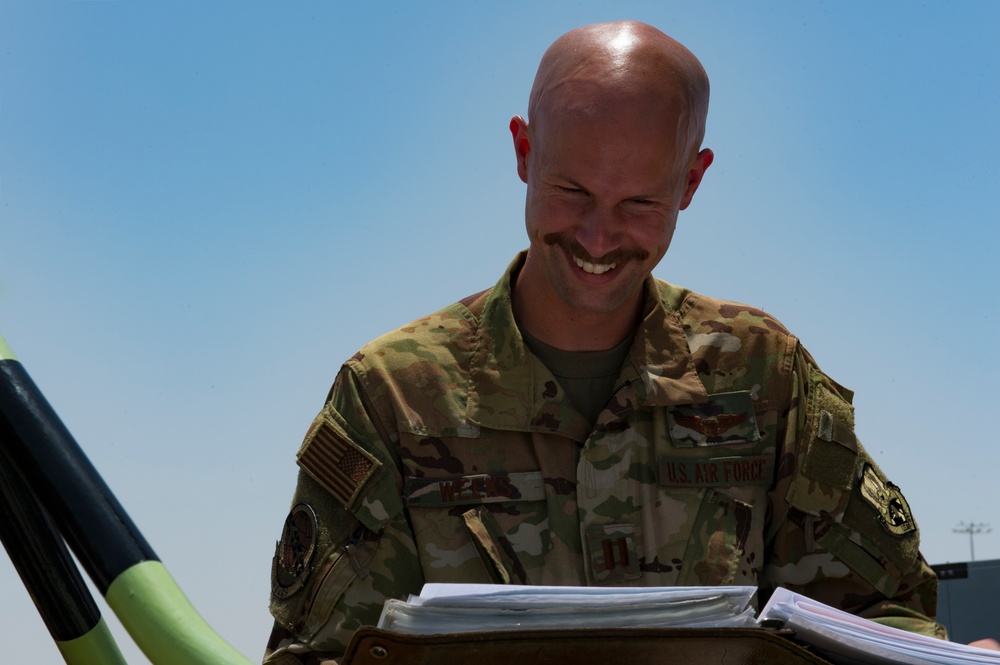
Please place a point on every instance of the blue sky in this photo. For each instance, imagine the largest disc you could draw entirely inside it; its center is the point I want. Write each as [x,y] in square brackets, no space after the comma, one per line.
[206,207]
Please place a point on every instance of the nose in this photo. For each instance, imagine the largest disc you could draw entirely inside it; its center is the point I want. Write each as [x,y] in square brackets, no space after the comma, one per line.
[599,231]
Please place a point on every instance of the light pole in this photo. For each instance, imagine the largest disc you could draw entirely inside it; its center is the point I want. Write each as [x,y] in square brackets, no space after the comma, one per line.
[972,528]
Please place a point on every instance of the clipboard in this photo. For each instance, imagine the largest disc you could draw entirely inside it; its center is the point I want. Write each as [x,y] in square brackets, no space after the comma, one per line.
[641,646]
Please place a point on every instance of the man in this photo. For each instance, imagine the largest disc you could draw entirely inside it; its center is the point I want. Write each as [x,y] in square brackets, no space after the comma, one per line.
[582,423]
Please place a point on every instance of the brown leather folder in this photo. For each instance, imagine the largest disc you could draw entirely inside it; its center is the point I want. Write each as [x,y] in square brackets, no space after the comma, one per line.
[603,646]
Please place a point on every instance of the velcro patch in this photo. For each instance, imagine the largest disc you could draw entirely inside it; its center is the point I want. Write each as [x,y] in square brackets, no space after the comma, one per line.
[828,454]
[482,488]
[341,466]
[716,471]
[725,419]
[833,430]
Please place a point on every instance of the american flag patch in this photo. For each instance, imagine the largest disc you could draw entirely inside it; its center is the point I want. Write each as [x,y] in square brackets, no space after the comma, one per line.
[336,462]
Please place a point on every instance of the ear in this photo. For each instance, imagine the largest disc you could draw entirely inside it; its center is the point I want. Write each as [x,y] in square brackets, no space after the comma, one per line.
[701,163]
[522,145]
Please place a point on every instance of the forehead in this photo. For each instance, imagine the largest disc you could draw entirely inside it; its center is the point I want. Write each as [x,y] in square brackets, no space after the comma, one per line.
[603,144]
[588,104]
[590,94]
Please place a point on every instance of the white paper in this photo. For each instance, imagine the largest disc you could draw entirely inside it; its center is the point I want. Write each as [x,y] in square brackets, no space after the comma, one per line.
[852,639]
[449,608]
[844,638]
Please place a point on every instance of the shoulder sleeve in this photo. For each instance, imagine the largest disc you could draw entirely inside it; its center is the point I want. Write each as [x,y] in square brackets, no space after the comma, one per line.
[840,531]
[346,546]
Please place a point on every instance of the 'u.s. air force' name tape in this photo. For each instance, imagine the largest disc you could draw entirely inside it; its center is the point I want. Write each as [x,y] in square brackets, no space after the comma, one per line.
[480,488]
[716,471]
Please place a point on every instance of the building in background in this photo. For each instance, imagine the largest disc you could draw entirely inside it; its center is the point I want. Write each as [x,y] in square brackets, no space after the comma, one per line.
[969,599]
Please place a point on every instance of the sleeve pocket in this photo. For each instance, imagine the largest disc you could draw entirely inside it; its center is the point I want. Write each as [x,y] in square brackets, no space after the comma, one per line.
[868,525]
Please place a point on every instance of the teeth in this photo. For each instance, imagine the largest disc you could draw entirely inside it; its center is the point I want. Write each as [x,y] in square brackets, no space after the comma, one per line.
[594,268]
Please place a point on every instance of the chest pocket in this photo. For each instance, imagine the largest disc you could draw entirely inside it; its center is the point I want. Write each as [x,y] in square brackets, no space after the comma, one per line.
[476,528]
[715,472]
[719,541]
[716,507]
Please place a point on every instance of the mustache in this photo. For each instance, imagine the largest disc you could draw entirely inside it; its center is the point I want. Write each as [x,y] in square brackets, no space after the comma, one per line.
[575,249]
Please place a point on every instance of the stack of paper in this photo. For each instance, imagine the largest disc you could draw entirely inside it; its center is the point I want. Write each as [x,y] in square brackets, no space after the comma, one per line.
[453,608]
[846,638]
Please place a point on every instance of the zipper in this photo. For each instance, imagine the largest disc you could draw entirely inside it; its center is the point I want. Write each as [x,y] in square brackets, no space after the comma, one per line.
[351,551]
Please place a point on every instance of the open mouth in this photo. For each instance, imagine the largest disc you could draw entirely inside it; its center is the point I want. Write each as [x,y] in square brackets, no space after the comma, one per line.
[594,268]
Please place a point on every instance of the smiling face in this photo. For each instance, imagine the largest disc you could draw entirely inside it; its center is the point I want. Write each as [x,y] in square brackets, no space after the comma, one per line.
[602,201]
[611,156]
[605,185]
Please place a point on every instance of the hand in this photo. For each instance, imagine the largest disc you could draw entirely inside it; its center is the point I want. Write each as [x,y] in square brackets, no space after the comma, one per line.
[988,643]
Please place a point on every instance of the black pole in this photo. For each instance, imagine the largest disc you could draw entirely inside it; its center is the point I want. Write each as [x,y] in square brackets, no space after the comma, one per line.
[40,557]
[81,505]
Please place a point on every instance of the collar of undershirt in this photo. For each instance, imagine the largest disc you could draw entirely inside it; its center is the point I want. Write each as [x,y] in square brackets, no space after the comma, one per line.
[579,364]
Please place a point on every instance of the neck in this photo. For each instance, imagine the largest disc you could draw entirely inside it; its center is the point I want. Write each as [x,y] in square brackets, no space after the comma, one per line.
[553,322]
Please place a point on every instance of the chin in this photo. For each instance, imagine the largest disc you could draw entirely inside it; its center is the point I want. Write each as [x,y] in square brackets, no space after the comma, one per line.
[593,303]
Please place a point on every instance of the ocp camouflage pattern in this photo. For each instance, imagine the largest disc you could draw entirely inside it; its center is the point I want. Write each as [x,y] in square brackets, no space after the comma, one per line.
[724,456]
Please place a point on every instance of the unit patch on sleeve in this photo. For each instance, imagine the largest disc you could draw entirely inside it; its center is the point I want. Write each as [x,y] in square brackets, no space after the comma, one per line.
[335,462]
[725,419]
[894,512]
[293,554]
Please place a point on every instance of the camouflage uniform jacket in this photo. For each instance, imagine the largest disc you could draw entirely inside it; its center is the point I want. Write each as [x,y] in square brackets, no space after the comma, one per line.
[447,452]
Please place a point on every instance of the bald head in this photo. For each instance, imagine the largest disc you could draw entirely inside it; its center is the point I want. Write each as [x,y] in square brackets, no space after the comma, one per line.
[598,67]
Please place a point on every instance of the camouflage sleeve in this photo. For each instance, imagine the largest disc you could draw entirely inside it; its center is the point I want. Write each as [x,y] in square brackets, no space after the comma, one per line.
[346,546]
[839,531]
